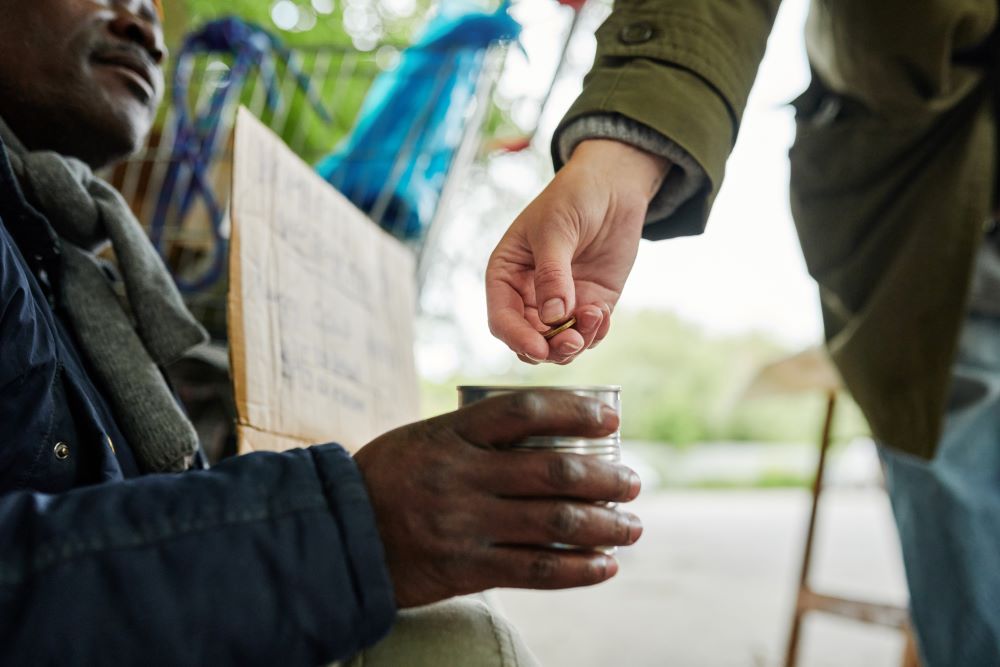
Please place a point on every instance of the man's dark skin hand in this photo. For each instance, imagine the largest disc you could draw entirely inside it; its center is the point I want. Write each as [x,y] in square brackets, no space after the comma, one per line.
[459,514]
[94,81]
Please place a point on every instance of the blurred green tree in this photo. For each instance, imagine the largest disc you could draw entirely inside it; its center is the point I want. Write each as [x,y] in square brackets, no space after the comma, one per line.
[679,385]
[360,23]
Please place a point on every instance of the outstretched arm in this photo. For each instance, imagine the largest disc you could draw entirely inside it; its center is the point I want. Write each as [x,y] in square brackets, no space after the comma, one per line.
[680,69]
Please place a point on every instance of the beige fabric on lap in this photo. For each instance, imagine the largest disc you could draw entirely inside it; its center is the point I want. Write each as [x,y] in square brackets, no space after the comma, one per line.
[461,632]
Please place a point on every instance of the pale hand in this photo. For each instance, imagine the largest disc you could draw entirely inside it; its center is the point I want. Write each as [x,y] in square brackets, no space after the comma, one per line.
[571,250]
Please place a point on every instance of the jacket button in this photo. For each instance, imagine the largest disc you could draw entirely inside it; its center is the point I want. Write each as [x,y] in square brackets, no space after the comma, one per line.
[61,450]
[636,33]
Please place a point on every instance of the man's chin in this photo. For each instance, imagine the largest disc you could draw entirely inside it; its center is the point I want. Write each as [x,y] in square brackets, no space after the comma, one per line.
[115,136]
[95,123]
[114,125]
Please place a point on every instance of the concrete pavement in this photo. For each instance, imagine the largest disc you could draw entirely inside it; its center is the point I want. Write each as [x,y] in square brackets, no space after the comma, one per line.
[712,582]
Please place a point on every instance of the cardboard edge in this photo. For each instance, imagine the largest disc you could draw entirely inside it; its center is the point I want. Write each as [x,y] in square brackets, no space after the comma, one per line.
[234,295]
[255,440]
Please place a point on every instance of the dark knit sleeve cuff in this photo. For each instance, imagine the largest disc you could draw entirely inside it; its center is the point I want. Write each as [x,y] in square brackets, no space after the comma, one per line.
[685,179]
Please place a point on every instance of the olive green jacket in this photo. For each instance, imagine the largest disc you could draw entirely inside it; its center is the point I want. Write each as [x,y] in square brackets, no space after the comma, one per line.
[893,167]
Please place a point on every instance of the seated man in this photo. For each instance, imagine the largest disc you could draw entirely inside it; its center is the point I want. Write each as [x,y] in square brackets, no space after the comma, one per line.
[117,548]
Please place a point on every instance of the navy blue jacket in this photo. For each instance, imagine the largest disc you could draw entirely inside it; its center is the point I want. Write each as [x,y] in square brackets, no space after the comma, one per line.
[270,559]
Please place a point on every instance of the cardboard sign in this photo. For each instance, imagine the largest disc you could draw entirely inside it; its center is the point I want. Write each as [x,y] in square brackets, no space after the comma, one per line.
[320,306]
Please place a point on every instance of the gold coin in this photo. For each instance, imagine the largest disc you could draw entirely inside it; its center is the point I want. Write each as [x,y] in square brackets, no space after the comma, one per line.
[559,329]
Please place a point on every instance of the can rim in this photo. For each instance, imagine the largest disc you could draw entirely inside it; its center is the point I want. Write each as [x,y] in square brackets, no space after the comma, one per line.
[572,387]
[569,450]
[569,441]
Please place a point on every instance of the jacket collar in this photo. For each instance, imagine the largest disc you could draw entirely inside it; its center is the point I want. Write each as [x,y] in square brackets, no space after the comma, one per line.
[30,230]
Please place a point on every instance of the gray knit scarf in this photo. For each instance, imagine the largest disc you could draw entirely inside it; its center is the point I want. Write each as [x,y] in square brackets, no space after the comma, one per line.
[86,213]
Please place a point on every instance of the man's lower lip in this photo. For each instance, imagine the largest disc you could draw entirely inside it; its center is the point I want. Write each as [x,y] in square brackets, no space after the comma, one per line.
[133,76]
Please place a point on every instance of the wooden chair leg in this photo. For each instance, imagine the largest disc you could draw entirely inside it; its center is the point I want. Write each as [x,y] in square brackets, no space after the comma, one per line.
[807,600]
[911,658]
[791,656]
[792,652]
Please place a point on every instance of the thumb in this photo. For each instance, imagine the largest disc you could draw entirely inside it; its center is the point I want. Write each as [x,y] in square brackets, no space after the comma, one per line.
[555,293]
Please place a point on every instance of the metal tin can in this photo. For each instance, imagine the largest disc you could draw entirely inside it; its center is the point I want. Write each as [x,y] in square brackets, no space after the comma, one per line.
[607,448]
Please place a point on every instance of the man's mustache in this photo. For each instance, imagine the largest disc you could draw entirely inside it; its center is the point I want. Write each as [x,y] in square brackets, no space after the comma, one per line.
[132,57]
[107,49]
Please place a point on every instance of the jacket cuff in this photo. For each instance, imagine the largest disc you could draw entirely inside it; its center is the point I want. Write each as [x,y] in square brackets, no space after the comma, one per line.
[348,498]
[662,97]
[685,178]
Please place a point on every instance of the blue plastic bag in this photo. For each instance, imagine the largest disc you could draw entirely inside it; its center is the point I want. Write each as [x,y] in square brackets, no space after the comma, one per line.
[394,162]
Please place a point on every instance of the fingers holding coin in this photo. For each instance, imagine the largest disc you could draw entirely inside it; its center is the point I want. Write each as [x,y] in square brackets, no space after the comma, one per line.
[575,335]
[603,327]
[570,337]
[591,320]
[558,329]
[565,342]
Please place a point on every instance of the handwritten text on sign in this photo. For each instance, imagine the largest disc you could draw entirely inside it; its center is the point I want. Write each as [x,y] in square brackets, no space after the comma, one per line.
[321,306]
